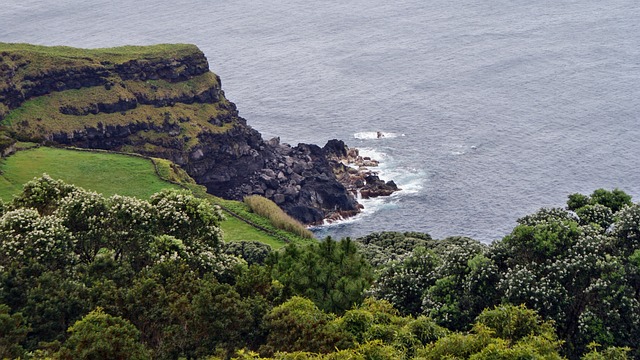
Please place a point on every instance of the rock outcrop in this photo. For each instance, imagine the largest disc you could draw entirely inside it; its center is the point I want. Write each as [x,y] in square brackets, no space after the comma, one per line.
[165,103]
[354,171]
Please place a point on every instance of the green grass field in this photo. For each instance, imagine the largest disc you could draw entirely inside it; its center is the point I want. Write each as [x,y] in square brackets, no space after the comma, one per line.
[108,174]
[104,173]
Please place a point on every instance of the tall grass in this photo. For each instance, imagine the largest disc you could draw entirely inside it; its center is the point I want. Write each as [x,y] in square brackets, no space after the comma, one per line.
[267,208]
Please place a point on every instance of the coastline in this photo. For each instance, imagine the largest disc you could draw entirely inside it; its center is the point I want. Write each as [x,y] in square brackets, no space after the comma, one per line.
[355,173]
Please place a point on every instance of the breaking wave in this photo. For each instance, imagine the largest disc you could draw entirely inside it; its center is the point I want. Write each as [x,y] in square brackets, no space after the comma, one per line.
[374,135]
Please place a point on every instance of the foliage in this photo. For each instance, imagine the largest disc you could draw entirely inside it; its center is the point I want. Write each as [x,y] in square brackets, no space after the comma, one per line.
[403,283]
[253,252]
[610,353]
[614,200]
[28,238]
[13,332]
[267,208]
[560,282]
[103,172]
[380,248]
[332,274]
[506,332]
[298,325]
[101,336]
[514,323]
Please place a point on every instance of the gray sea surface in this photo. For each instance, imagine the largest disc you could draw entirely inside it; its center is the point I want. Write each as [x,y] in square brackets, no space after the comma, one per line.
[490,109]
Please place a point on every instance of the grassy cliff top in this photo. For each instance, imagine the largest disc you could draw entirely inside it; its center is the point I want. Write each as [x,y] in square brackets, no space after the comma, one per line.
[114,55]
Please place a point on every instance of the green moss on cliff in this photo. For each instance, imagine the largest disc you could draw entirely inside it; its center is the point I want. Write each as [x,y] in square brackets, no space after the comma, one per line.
[160,90]
[39,118]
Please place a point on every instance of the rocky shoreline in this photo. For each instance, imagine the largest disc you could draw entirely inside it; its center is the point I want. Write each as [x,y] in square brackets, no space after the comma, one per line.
[354,172]
[327,180]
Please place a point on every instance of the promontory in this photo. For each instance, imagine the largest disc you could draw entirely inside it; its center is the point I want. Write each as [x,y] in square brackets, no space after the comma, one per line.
[163,101]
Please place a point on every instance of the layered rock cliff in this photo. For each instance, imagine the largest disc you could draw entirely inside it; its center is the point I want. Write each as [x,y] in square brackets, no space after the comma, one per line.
[163,101]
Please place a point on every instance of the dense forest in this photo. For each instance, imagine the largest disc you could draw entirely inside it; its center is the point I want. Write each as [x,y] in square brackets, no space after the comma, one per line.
[83,276]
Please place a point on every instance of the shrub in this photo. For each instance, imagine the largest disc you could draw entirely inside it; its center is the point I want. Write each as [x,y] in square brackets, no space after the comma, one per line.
[267,208]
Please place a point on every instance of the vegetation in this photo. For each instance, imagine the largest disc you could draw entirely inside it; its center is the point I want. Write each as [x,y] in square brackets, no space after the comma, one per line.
[36,59]
[27,120]
[267,208]
[166,89]
[111,174]
[142,271]
[105,173]
[85,276]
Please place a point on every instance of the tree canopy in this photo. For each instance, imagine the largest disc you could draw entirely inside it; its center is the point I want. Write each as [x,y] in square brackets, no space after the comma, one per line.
[86,276]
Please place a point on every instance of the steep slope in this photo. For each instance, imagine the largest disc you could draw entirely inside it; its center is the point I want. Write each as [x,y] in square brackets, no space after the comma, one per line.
[162,101]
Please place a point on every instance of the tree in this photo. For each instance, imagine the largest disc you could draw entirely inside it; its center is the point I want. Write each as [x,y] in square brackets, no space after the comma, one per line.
[13,332]
[221,319]
[253,252]
[101,336]
[463,284]
[404,283]
[298,325]
[85,214]
[42,194]
[332,274]
[614,200]
[28,238]
[505,332]
[627,229]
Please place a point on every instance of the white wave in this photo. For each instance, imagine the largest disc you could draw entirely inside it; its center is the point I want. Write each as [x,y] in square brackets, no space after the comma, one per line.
[409,180]
[375,154]
[370,207]
[461,149]
[371,135]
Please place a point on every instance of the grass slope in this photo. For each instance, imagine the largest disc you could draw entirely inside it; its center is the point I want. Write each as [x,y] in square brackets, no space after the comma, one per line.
[105,173]
[109,174]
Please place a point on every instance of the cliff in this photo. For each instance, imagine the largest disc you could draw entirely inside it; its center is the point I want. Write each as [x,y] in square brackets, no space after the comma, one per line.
[163,101]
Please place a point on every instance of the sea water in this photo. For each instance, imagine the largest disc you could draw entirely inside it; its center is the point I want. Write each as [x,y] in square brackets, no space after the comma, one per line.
[490,109]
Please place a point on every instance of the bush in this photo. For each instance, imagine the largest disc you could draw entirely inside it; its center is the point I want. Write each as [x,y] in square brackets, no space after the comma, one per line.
[102,336]
[267,208]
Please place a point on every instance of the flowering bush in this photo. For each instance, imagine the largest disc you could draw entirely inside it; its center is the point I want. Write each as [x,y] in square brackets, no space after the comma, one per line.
[26,237]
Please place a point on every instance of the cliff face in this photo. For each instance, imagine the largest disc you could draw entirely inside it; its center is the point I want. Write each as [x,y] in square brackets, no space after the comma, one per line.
[162,101]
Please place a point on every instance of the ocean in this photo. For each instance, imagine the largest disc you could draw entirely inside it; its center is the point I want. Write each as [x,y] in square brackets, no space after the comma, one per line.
[490,110]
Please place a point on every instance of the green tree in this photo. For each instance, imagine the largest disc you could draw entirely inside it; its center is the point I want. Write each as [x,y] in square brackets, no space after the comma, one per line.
[221,319]
[506,332]
[299,325]
[627,229]
[43,194]
[332,274]
[84,214]
[101,336]
[614,200]
[13,332]
[28,238]
[463,283]
[404,283]
[253,252]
